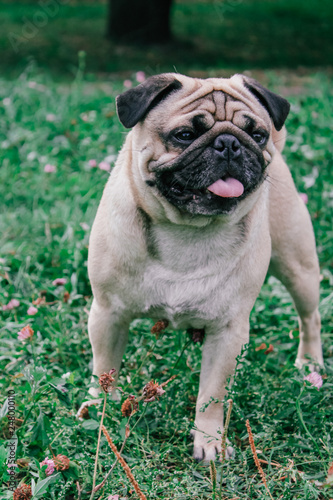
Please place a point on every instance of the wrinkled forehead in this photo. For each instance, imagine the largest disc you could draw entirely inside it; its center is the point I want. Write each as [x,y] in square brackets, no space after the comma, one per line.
[209,101]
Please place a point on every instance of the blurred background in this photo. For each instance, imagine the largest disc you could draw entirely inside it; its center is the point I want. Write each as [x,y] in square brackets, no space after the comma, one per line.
[123,36]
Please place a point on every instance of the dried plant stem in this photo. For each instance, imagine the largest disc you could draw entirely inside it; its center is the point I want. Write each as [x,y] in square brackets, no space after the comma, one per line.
[97,450]
[274,464]
[256,459]
[212,469]
[224,442]
[225,431]
[79,490]
[51,450]
[100,485]
[124,465]
[169,380]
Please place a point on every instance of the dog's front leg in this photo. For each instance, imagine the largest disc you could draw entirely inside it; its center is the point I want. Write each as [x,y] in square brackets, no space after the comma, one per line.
[219,354]
[108,332]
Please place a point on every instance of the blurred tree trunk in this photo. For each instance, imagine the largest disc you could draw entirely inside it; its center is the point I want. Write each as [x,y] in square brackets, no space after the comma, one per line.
[139,21]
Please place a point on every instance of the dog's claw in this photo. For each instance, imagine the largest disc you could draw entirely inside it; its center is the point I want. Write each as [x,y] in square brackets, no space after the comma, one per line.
[206,449]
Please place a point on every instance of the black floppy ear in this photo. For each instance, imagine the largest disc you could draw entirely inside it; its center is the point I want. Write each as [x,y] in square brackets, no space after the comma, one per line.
[135,103]
[277,107]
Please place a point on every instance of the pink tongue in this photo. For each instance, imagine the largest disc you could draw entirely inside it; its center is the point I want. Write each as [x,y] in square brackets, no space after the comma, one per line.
[229,188]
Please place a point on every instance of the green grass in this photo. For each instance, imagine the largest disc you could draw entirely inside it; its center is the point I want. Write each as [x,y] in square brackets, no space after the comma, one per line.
[42,238]
[240,34]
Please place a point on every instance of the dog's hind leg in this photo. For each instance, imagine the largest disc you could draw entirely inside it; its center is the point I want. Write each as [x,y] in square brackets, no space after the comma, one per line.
[294,259]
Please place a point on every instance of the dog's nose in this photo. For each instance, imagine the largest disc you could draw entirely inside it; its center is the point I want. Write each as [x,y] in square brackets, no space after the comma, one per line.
[227,146]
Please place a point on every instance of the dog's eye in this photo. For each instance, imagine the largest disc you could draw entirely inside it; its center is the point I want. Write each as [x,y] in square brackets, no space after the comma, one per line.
[185,136]
[259,137]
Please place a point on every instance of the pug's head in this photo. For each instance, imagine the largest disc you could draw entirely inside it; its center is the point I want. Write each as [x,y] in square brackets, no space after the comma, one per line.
[203,145]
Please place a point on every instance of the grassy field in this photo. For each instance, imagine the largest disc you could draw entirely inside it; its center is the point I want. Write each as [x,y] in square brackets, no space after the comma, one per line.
[240,34]
[56,123]
[44,226]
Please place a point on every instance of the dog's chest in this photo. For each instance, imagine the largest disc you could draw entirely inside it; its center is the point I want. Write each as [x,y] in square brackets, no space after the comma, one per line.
[186,273]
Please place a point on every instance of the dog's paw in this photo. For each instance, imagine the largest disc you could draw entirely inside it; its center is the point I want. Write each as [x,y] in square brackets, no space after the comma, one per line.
[299,363]
[95,392]
[207,448]
[310,354]
[82,411]
[311,364]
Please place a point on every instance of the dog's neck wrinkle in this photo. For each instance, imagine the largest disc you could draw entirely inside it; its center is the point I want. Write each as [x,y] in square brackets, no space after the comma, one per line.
[151,246]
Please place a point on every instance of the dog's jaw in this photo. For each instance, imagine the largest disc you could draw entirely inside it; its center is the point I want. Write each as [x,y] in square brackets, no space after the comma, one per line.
[210,186]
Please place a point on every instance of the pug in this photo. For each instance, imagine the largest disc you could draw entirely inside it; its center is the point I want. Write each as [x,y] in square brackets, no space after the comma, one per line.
[198,207]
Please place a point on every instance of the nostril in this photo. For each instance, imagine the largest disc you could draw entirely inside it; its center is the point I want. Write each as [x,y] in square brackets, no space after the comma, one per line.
[227,145]
[220,146]
[235,146]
